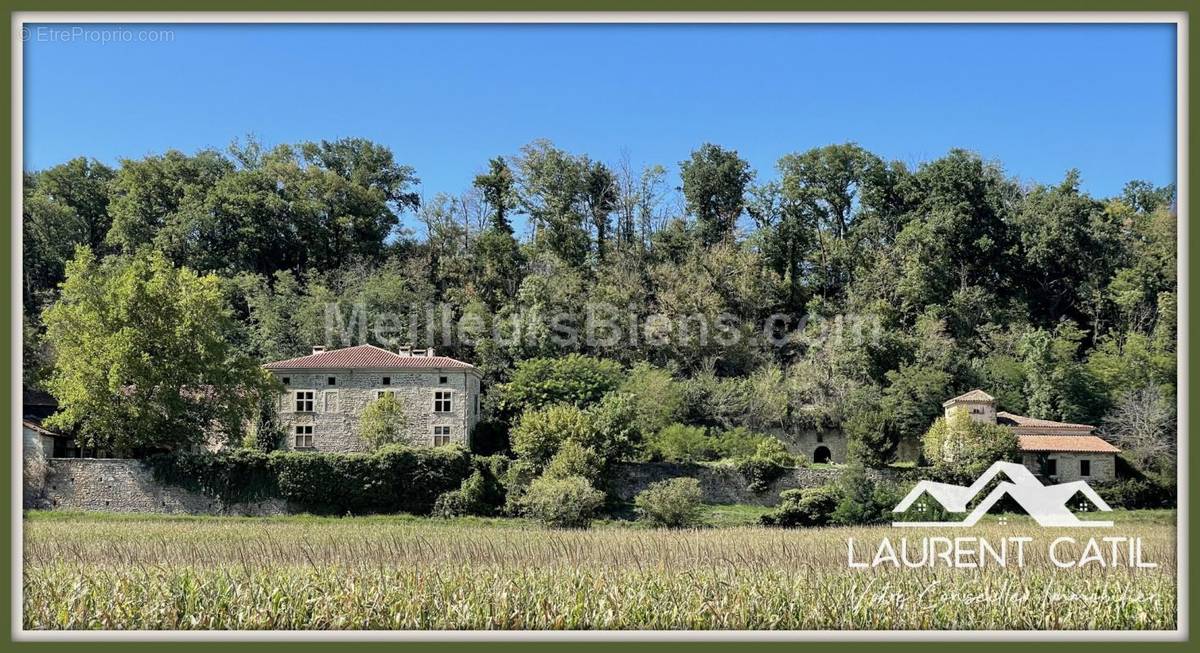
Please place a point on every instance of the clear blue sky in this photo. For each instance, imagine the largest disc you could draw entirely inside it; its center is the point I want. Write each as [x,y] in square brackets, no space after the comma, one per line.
[1040,99]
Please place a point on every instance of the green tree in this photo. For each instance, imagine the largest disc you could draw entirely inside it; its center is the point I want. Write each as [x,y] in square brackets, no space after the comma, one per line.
[143,356]
[384,422]
[540,433]
[714,186]
[499,192]
[960,448]
[573,379]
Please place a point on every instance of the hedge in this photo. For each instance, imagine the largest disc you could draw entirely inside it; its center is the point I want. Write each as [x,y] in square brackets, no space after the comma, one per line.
[393,479]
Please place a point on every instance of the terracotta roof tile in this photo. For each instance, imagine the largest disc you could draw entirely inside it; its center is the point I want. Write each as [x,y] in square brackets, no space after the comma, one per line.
[1065,444]
[974,395]
[368,357]
[1034,426]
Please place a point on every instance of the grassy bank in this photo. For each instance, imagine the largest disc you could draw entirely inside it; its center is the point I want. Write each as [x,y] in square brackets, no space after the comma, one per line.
[84,571]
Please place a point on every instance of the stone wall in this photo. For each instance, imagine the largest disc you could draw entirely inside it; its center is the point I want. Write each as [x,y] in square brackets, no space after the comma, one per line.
[337,407]
[124,485]
[1103,467]
[723,484]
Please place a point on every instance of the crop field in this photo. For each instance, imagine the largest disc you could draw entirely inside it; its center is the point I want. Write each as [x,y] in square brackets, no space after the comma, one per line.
[106,572]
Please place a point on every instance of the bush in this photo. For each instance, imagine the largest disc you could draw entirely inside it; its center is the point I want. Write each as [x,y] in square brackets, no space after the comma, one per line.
[468,499]
[1140,493]
[393,479]
[738,442]
[615,430]
[854,500]
[960,448]
[657,396]
[384,422]
[809,507]
[771,460]
[573,459]
[682,444]
[539,383]
[232,476]
[539,433]
[674,503]
[562,502]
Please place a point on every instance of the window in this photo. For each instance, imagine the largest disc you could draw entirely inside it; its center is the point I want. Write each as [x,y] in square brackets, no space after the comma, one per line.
[287,380]
[304,401]
[332,380]
[442,379]
[304,437]
[442,402]
[441,436]
[477,405]
[331,401]
[1052,467]
[387,380]
[379,394]
[1085,468]
[820,436]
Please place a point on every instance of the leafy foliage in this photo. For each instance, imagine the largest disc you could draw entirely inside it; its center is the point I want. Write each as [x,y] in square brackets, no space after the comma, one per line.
[569,502]
[960,448]
[384,422]
[673,503]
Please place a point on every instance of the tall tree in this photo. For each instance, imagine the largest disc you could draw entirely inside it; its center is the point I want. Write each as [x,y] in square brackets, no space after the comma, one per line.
[714,186]
[144,356]
[499,192]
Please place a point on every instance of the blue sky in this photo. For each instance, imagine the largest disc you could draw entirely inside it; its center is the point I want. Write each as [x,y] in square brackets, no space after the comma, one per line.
[445,98]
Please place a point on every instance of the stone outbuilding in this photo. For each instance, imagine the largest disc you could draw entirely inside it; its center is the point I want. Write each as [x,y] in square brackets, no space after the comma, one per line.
[326,392]
[1056,451]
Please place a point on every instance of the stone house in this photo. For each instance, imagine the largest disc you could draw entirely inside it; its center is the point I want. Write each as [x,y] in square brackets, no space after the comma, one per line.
[325,394]
[1057,451]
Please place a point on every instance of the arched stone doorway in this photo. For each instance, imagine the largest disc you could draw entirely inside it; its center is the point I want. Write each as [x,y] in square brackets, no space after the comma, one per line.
[821,455]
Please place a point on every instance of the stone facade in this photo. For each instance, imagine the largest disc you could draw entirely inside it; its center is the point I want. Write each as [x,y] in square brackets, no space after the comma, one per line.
[816,445]
[337,407]
[1067,467]
[124,485]
[724,484]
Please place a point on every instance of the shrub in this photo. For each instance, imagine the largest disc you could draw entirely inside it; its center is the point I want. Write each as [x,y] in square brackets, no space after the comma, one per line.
[539,383]
[1140,493]
[562,502]
[657,396]
[673,503]
[232,476]
[806,508]
[682,444]
[738,442]
[267,431]
[770,460]
[517,479]
[574,459]
[539,433]
[863,500]
[469,499]
[615,431]
[960,448]
[384,422]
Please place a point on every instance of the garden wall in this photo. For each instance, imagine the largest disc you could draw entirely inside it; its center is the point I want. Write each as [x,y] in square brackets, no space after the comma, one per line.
[124,485]
[724,484]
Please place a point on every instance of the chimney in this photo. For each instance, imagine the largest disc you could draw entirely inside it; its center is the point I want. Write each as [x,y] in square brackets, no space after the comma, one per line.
[429,352]
[405,350]
[318,349]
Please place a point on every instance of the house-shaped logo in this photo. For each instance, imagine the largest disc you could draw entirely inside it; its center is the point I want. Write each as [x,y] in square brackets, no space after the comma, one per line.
[1047,504]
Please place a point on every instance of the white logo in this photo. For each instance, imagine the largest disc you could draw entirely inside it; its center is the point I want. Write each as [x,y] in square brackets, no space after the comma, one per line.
[1045,503]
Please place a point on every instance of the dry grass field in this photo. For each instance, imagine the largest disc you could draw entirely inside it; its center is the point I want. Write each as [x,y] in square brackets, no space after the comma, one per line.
[105,572]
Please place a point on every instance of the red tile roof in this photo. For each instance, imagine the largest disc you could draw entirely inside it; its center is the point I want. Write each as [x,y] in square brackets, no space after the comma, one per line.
[1032,426]
[974,395]
[371,357]
[1065,444]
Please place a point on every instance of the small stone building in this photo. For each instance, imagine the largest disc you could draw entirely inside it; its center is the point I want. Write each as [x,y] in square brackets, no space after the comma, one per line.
[326,392]
[1057,451]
